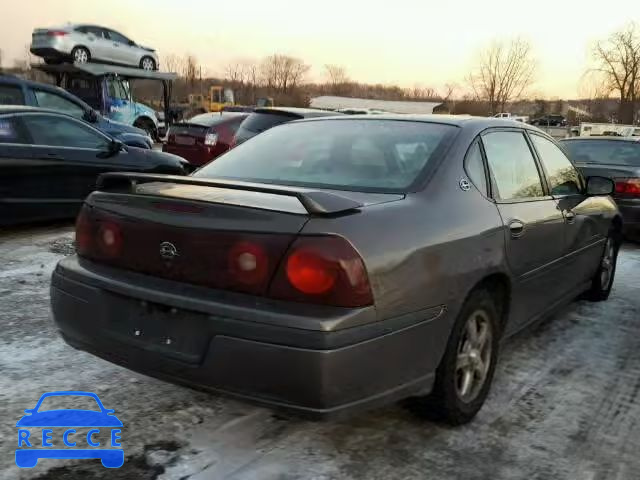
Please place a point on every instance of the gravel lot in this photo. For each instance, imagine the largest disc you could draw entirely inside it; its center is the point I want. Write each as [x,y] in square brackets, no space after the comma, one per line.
[565,402]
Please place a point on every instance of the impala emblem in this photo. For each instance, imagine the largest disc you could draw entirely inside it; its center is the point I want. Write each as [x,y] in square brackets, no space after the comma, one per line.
[465,186]
[168,251]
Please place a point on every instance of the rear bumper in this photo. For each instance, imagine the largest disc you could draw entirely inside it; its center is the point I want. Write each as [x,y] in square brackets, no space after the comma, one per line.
[316,372]
[195,155]
[630,211]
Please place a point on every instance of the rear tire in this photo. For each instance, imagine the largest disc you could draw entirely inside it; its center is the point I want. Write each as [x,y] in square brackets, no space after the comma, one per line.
[80,55]
[602,281]
[464,376]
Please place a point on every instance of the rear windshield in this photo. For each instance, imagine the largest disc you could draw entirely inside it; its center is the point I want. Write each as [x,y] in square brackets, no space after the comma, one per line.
[259,122]
[360,155]
[211,119]
[609,152]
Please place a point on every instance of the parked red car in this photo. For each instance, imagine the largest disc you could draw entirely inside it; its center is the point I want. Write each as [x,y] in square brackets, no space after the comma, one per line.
[203,137]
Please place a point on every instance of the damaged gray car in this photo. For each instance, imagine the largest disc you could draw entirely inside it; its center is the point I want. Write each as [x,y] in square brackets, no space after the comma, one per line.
[333,264]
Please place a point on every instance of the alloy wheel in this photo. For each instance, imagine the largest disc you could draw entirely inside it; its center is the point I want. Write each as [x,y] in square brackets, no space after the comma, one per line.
[147,64]
[474,356]
[80,56]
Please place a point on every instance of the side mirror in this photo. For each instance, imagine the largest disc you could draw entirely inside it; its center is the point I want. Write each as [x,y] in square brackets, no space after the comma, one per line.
[600,186]
[132,43]
[91,116]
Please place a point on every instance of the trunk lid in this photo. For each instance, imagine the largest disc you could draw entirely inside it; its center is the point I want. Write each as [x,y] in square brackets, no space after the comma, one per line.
[187,134]
[199,231]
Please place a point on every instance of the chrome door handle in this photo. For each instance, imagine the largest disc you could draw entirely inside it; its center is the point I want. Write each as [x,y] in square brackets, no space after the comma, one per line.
[570,216]
[516,227]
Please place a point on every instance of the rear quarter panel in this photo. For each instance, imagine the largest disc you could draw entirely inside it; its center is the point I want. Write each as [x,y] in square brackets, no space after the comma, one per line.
[427,250]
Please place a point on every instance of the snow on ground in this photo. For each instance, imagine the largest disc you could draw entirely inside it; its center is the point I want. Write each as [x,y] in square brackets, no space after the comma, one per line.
[565,402]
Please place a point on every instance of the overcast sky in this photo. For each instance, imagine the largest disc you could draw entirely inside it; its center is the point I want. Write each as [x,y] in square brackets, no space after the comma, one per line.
[402,41]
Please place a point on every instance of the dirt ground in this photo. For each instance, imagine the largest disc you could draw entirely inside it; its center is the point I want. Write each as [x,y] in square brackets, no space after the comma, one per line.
[565,402]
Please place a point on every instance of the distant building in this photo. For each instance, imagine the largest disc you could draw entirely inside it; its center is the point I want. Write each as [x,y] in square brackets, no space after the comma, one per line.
[391,106]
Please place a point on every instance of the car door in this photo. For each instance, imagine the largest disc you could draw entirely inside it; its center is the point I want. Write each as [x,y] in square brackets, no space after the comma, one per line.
[121,50]
[584,232]
[119,104]
[533,223]
[72,155]
[20,187]
[99,44]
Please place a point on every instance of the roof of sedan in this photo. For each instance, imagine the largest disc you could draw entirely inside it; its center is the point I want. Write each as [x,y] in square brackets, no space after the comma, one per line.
[457,120]
[603,138]
[26,108]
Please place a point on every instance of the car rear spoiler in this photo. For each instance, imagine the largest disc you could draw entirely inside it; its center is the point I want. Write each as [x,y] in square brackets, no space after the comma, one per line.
[314,201]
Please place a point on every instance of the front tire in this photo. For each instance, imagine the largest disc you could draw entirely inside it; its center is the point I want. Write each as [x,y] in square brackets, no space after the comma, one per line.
[148,63]
[603,279]
[80,55]
[464,376]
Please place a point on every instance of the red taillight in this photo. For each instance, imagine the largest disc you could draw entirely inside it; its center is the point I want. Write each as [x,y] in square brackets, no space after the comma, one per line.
[57,33]
[97,237]
[311,273]
[325,270]
[628,187]
[248,263]
[83,232]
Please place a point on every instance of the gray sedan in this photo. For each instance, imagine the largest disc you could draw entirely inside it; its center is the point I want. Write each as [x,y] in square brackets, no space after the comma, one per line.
[334,264]
[90,43]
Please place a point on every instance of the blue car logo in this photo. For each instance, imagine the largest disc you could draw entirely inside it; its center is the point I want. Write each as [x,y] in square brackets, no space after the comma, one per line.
[31,447]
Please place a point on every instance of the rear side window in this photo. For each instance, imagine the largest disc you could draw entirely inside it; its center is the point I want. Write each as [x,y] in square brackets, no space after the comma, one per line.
[563,177]
[607,152]
[9,131]
[359,155]
[11,95]
[57,102]
[259,122]
[512,166]
[474,166]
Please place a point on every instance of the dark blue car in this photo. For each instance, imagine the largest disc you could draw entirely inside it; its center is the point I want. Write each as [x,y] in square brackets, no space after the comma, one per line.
[29,451]
[17,91]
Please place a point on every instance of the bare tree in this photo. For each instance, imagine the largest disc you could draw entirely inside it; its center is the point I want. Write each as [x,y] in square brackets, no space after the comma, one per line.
[235,72]
[190,69]
[503,72]
[172,63]
[336,77]
[618,61]
[282,72]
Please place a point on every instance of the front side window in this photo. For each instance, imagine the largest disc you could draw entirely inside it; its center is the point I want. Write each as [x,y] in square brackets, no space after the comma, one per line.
[59,131]
[358,155]
[563,177]
[512,166]
[9,131]
[117,37]
[57,102]
[118,89]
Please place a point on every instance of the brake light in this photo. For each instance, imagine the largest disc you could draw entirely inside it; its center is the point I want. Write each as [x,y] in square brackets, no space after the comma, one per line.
[56,33]
[325,270]
[628,187]
[311,273]
[210,139]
